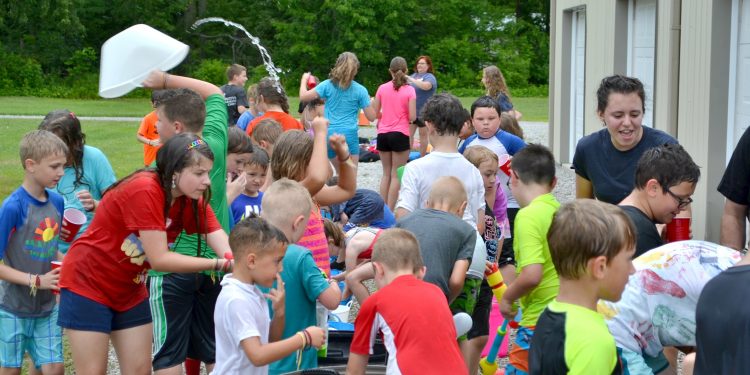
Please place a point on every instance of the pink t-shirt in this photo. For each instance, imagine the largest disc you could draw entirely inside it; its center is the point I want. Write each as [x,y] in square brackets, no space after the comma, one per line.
[394,108]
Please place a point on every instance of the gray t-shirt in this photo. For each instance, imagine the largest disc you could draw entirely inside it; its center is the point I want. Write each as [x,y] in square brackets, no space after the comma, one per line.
[443,240]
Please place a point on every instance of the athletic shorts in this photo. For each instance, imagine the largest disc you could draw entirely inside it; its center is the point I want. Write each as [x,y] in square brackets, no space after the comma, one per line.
[182,305]
[518,359]
[393,142]
[507,256]
[84,314]
[40,337]
[352,139]
[480,317]
[466,301]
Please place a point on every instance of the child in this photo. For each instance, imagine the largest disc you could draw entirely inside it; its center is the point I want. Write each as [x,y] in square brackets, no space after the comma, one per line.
[246,338]
[396,105]
[445,242]
[275,106]
[311,110]
[239,151]
[147,132]
[178,300]
[665,178]
[287,205]
[266,132]
[30,220]
[248,202]
[658,306]
[591,244]
[497,89]
[532,180]
[509,123]
[412,314]
[103,282]
[252,109]
[443,116]
[234,92]
[344,98]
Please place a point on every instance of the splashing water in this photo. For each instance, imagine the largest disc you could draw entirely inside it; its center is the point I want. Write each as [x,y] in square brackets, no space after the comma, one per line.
[267,62]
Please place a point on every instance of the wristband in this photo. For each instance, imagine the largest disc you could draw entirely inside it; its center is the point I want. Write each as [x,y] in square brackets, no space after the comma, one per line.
[309,338]
[227,266]
[216,265]
[304,339]
[34,285]
[346,158]
[164,85]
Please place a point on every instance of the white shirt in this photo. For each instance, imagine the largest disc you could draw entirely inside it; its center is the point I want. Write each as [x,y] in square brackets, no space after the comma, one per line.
[241,312]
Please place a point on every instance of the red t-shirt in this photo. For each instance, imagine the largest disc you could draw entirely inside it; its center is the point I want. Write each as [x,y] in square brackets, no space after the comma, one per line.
[107,263]
[417,326]
[286,120]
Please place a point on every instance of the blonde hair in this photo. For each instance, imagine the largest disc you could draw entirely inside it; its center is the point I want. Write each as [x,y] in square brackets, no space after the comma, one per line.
[585,229]
[39,144]
[449,190]
[285,200]
[479,154]
[268,130]
[398,69]
[397,249]
[334,232]
[495,82]
[291,154]
[509,123]
[345,69]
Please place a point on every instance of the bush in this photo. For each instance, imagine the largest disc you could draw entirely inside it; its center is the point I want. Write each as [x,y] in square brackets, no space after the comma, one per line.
[19,75]
[212,70]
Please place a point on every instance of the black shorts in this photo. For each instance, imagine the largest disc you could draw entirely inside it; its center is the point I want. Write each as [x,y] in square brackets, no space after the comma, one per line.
[419,123]
[507,256]
[393,142]
[182,306]
[481,314]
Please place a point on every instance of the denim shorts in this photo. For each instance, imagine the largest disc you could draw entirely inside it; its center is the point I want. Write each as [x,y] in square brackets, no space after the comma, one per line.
[84,314]
[40,337]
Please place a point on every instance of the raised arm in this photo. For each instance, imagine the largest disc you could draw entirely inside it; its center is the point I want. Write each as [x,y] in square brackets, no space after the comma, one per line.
[347,185]
[158,80]
[306,95]
[317,169]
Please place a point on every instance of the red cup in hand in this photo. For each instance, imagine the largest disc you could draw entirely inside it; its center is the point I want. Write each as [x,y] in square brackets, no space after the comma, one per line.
[55,265]
[312,81]
[504,162]
[678,229]
[72,221]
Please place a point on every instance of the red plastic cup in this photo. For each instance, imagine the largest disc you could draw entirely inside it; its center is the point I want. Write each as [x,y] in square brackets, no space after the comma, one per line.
[504,162]
[312,81]
[72,221]
[55,265]
[678,229]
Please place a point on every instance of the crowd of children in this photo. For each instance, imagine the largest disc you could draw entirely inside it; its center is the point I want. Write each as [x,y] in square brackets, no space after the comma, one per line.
[221,249]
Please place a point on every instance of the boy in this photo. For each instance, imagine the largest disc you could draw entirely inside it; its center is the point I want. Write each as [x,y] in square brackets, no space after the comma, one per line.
[182,304]
[287,205]
[252,109]
[591,244]
[255,173]
[444,118]
[234,92]
[445,242]
[246,339]
[658,306]
[30,220]
[665,178]
[147,133]
[411,314]
[532,180]
[266,133]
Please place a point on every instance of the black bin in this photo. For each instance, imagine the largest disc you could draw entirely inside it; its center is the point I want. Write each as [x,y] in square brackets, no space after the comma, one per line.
[338,349]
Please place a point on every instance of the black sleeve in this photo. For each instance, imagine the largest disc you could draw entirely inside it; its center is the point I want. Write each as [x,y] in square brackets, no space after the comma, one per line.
[735,184]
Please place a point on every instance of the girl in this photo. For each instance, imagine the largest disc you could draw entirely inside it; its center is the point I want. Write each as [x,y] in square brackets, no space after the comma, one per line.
[239,151]
[103,293]
[494,82]
[344,98]
[398,102]
[87,171]
[275,105]
[425,84]
[298,157]
[510,124]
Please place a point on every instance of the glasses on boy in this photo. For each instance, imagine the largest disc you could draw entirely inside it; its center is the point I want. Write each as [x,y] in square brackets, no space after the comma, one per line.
[681,202]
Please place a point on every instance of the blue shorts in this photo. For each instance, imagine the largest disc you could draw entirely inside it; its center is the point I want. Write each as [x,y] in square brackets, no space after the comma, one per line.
[84,314]
[352,139]
[40,337]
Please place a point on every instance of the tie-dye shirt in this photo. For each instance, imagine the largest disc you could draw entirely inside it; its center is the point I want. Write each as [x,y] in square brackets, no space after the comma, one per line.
[657,308]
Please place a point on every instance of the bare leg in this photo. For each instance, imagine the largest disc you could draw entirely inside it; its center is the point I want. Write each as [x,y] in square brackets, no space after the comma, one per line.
[473,352]
[385,180]
[399,159]
[10,371]
[174,370]
[424,140]
[688,363]
[90,350]
[133,348]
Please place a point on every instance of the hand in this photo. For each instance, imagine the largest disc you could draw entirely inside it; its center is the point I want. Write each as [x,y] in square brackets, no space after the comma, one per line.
[64,233]
[317,335]
[155,142]
[488,267]
[320,125]
[236,186]
[155,80]
[277,297]
[87,201]
[305,77]
[339,146]
[508,309]
[49,280]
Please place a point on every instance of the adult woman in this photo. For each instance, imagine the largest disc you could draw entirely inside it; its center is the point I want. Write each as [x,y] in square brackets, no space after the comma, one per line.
[87,171]
[344,98]
[396,103]
[425,84]
[103,293]
[494,82]
[605,161]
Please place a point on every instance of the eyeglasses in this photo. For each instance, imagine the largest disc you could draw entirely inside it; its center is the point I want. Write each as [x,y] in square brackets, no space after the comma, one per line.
[681,202]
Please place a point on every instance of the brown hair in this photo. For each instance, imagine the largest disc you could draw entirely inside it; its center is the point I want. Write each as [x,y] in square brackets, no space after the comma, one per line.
[479,154]
[495,82]
[398,69]
[345,69]
[398,249]
[334,232]
[235,70]
[509,123]
[238,142]
[254,235]
[585,229]
[268,130]
[291,154]
[185,106]
[273,93]
[427,59]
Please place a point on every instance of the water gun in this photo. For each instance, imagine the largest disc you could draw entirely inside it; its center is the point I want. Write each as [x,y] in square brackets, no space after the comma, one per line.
[495,280]
[488,365]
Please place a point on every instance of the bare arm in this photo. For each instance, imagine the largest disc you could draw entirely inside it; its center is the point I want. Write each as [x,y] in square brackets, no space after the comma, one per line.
[155,246]
[331,297]
[317,169]
[529,278]
[347,185]
[401,212]
[157,80]
[357,364]
[733,225]
[458,276]
[306,95]
[261,355]
[412,110]
[14,276]
[584,188]
[370,113]
[219,241]
[147,141]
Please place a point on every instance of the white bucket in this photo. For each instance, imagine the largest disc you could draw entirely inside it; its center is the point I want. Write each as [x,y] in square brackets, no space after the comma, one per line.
[128,57]
[341,314]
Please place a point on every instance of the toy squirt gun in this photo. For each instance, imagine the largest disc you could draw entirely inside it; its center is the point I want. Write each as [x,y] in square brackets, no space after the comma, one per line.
[488,365]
